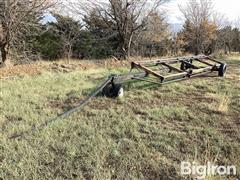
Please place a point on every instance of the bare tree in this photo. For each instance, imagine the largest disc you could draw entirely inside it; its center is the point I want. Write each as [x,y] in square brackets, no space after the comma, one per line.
[198,16]
[69,30]
[228,37]
[128,17]
[16,19]
[155,33]
[220,20]
[237,23]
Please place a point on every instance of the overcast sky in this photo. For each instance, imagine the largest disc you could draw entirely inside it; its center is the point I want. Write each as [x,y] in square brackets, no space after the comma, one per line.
[231,9]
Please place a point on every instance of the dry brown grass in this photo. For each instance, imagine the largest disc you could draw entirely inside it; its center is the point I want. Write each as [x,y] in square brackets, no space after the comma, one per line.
[145,135]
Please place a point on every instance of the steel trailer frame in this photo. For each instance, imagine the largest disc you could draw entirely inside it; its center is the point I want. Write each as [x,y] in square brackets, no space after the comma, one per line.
[179,69]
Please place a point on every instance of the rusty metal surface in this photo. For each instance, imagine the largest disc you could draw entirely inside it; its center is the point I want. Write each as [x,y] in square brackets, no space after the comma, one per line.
[175,73]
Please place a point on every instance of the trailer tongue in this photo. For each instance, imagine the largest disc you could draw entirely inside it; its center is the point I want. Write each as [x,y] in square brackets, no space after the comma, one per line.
[178,69]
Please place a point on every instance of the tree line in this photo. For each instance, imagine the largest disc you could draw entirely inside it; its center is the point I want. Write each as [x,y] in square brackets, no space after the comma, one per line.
[102,29]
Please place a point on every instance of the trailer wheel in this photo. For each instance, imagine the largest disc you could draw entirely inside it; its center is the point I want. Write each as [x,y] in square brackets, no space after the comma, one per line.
[113,90]
[185,66]
[222,70]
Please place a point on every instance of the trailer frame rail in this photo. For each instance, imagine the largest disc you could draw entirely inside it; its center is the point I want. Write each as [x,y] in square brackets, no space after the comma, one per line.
[179,69]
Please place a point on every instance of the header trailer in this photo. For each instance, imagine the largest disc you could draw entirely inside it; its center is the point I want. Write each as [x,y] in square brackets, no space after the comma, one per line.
[164,71]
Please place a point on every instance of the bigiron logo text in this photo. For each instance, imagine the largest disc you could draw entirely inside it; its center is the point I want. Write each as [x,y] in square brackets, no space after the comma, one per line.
[209,169]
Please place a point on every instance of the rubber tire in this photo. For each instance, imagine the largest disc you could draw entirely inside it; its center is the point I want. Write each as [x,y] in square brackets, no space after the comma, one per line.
[184,66]
[222,70]
[112,90]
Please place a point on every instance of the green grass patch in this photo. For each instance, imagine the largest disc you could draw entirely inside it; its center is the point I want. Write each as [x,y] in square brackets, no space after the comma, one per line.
[145,135]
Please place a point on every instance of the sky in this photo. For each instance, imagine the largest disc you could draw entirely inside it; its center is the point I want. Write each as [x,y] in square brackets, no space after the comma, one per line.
[230,8]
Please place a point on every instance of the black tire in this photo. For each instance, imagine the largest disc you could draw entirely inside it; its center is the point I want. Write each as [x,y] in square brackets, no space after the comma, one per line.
[112,90]
[183,66]
[222,70]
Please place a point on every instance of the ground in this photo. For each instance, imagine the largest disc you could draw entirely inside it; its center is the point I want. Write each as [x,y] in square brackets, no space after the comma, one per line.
[145,135]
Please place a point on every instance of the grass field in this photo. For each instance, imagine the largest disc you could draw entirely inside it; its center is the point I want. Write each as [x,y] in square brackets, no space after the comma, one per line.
[145,135]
